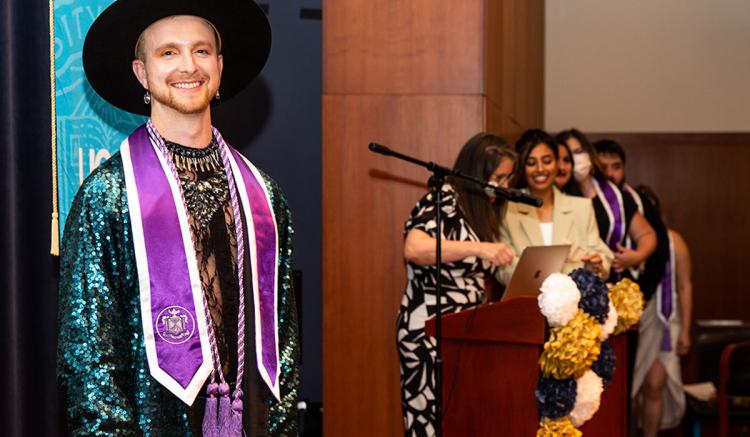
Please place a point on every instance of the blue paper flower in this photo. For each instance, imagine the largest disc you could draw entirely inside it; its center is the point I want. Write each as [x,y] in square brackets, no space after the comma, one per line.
[605,365]
[594,298]
[555,397]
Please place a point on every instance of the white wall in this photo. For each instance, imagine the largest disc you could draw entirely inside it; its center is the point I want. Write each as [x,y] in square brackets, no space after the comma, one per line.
[647,65]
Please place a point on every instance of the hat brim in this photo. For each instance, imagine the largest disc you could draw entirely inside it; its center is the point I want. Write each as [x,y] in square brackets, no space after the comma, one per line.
[109,48]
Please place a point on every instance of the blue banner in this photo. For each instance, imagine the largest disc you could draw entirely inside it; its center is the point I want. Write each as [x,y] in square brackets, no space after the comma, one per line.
[89,130]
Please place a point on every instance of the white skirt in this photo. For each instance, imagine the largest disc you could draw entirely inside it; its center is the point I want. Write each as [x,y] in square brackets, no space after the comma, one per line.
[650,331]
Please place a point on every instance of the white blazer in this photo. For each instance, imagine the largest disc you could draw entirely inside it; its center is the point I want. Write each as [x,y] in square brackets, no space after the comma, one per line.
[573,222]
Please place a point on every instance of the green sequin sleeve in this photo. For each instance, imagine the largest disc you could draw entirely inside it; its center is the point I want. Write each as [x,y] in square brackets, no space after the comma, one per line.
[93,367]
[283,415]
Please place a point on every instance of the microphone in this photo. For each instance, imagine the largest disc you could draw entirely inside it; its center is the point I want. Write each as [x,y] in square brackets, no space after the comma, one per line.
[518,196]
[379,148]
[509,194]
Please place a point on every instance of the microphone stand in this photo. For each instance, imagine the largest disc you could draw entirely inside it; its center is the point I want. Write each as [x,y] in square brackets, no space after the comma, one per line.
[436,182]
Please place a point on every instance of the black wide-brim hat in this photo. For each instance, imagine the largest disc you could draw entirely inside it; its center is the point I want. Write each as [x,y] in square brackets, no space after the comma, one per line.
[109,48]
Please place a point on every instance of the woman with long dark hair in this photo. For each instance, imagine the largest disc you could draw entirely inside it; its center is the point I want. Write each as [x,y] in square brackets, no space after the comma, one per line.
[561,219]
[617,216]
[471,224]
[564,181]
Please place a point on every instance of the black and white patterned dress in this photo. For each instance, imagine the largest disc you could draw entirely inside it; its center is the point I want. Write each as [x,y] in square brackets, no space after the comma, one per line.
[463,287]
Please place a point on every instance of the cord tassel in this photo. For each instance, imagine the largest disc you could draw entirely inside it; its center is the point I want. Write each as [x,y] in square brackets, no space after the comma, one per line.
[235,422]
[225,409]
[210,416]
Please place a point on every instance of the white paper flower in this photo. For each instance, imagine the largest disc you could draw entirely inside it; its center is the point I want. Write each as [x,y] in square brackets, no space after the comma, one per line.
[558,299]
[588,397]
[609,325]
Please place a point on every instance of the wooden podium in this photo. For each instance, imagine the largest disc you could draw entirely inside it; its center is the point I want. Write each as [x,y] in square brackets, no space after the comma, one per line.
[490,373]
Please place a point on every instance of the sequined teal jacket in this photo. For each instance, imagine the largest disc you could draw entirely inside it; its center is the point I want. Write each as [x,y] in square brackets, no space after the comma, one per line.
[102,368]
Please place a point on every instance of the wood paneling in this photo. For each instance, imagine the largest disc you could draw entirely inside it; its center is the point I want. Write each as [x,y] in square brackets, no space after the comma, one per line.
[702,182]
[367,198]
[402,47]
[514,69]
[501,123]
[411,75]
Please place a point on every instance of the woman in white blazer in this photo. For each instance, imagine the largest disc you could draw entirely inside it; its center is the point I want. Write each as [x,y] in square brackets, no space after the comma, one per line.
[561,219]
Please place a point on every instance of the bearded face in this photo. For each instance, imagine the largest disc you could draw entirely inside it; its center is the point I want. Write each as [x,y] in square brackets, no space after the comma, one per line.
[179,64]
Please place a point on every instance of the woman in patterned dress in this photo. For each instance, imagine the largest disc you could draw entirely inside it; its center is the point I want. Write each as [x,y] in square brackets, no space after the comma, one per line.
[471,221]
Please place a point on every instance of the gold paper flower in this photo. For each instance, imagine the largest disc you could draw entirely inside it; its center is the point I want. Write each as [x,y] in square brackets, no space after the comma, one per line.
[627,298]
[571,349]
[557,428]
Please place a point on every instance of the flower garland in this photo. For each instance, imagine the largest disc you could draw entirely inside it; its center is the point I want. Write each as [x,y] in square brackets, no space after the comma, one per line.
[577,361]
[628,300]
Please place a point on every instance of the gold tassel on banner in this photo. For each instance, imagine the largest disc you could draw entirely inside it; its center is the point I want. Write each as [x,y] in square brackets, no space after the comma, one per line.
[55,247]
[55,235]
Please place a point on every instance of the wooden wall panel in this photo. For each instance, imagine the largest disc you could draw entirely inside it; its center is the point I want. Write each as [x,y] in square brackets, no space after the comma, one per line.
[501,123]
[411,75]
[402,47]
[367,198]
[702,182]
[514,60]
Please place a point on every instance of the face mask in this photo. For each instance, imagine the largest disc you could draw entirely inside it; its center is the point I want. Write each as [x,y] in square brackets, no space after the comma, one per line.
[581,166]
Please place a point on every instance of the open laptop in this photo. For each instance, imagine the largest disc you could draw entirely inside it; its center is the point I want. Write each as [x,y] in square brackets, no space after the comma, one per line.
[536,263]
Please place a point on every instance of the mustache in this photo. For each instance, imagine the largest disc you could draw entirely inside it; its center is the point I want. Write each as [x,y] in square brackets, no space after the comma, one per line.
[189,77]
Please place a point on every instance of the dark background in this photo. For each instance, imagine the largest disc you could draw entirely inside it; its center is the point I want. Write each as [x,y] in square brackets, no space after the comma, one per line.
[275,122]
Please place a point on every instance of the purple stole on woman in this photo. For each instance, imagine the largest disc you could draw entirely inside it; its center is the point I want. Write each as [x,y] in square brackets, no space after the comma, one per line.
[666,297]
[611,198]
[174,317]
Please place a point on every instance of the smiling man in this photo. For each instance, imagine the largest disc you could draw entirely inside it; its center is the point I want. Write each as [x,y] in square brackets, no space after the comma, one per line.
[177,315]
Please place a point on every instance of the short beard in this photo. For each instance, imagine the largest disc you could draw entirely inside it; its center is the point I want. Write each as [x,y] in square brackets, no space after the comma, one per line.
[168,99]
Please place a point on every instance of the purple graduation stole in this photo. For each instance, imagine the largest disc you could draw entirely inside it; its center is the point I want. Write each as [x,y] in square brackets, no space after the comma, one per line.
[172,310]
[611,199]
[666,296]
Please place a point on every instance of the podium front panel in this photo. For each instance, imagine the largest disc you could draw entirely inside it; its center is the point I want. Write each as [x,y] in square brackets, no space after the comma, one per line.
[491,369]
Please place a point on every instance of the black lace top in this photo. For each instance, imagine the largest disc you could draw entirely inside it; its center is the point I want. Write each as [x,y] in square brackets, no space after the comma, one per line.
[206,191]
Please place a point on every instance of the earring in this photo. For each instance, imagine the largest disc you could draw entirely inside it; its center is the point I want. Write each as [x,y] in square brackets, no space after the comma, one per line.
[218,96]
[147,98]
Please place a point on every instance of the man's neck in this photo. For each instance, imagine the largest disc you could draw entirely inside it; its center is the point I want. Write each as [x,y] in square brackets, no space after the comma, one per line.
[189,130]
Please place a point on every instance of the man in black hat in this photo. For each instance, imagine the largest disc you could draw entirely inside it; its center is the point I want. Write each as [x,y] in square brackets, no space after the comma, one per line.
[177,315]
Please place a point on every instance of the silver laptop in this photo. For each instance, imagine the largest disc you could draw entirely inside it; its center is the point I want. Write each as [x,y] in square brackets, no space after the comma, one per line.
[536,263]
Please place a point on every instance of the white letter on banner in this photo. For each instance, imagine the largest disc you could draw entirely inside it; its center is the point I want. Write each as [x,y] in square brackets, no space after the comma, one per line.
[94,160]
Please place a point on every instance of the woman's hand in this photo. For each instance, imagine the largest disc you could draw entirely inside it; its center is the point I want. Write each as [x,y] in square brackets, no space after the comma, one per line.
[593,263]
[419,248]
[497,254]
[683,342]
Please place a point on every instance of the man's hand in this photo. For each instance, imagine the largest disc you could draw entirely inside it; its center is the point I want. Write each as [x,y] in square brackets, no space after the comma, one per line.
[625,258]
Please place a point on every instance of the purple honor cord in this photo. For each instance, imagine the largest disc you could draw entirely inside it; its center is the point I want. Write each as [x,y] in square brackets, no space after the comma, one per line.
[221,418]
